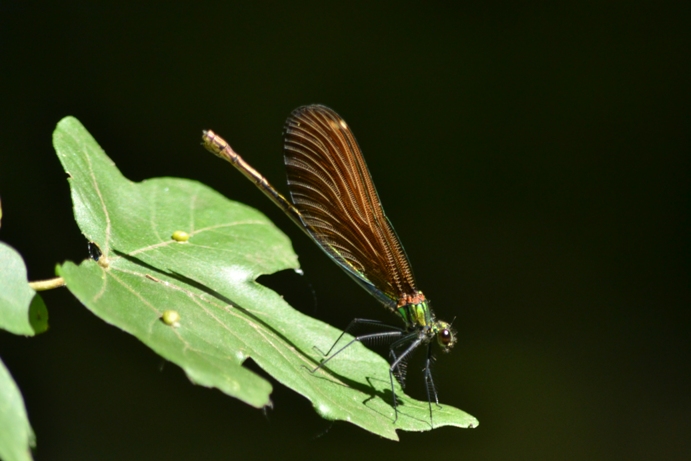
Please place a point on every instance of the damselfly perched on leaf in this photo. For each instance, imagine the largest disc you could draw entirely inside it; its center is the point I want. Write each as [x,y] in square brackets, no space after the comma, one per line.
[334,201]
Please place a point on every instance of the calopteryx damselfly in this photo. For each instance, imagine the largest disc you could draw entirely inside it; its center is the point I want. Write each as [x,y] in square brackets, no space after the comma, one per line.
[335,202]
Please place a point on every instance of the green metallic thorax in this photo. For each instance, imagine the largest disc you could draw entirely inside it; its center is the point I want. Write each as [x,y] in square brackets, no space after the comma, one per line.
[418,314]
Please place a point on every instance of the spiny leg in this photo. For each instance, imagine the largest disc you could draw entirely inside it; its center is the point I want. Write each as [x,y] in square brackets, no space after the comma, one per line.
[354,323]
[398,361]
[401,368]
[361,338]
[429,384]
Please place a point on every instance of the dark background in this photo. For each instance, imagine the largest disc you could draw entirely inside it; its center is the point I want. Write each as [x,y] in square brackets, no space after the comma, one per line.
[534,159]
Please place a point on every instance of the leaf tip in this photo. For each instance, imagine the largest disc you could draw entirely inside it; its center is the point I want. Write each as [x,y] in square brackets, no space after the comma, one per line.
[38,315]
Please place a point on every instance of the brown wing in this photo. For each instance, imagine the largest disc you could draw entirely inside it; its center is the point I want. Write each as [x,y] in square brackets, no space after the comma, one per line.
[332,188]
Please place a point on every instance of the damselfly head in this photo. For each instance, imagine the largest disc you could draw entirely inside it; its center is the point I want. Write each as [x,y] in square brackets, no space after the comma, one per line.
[446,336]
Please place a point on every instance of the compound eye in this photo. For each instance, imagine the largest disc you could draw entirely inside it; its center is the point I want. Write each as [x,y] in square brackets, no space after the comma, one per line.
[445,337]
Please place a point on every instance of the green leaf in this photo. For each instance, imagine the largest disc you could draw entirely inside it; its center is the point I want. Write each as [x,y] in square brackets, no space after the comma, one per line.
[22,310]
[16,435]
[225,317]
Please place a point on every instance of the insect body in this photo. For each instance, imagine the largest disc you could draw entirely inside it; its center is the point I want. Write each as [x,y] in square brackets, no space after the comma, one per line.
[335,202]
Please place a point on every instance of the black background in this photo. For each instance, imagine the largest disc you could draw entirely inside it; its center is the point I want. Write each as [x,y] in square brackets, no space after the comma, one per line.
[534,160]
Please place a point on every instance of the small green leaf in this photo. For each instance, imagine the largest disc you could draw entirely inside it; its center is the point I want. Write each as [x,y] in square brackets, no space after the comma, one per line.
[16,436]
[226,317]
[22,310]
